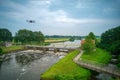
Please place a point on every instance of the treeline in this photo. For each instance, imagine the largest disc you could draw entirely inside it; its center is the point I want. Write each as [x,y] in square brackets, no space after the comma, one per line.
[5,35]
[23,36]
[110,41]
[27,36]
[61,36]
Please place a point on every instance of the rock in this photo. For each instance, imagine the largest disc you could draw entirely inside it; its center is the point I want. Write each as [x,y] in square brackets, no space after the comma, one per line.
[114,60]
[23,70]
[61,57]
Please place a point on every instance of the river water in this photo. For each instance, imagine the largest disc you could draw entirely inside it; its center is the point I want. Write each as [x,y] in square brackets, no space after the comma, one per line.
[26,65]
[30,64]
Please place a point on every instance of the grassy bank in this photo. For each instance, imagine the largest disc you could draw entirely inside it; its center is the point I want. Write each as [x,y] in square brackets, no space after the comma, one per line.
[11,48]
[37,43]
[66,69]
[99,56]
[54,40]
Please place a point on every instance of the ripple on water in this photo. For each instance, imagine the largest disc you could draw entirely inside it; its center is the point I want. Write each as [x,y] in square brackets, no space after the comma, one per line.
[26,65]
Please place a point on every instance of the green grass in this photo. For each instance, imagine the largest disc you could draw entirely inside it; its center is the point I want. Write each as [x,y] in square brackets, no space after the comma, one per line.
[38,43]
[54,40]
[99,56]
[66,69]
[11,48]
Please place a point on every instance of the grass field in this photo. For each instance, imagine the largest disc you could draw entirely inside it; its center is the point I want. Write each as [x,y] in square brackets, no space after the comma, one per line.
[66,69]
[11,48]
[53,40]
[99,56]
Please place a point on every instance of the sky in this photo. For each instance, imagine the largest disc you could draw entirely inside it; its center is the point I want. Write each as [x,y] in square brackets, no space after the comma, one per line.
[60,17]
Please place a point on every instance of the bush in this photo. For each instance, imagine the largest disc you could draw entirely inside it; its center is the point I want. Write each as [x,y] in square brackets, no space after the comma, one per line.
[72,39]
[88,46]
[1,51]
[90,43]
[118,61]
[115,47]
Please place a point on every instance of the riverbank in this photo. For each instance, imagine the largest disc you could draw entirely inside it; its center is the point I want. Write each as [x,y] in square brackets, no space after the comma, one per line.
[56,40]
[99,56]
[12,49]
[26,64]
[101,59]
[66,69]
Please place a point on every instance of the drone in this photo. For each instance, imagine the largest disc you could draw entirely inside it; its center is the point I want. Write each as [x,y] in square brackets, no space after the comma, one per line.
[30,21]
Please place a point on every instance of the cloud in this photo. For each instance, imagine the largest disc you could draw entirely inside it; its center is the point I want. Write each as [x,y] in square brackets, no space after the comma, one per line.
[85,3]
[81,5]
[45,3]
[58,21]
[39,11]
[66,19]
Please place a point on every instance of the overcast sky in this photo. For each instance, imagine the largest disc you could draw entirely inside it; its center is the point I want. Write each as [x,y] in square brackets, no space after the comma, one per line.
[60,17]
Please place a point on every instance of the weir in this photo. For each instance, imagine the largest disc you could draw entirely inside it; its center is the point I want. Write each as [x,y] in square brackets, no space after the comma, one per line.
[47,48]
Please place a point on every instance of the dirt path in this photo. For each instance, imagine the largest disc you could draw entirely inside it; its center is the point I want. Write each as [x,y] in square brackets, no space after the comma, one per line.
[78,56]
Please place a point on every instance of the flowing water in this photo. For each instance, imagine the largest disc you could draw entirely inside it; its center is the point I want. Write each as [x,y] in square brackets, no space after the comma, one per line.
[26,65]
[30,64]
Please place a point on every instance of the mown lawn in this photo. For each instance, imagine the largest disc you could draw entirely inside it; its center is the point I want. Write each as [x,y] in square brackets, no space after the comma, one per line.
[66,69]
[11,48]
[99,56]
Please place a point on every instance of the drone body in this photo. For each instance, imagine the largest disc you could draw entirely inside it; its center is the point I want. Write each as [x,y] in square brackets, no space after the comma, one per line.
[30,21]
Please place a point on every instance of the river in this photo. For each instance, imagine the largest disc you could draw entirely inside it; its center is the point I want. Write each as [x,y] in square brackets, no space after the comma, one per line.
[29,64]
[26,65]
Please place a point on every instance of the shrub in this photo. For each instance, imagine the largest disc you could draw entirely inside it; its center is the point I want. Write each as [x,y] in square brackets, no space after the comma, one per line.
[1,50]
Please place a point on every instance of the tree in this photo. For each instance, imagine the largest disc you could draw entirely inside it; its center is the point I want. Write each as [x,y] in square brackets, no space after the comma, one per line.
[38,36]
[91,36]
[110,40]
[89,43]
[72,39]
[24,36]
[88,46]
[5,35]
[27,36]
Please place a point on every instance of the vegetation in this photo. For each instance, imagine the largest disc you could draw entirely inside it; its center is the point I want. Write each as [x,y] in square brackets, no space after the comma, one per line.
[110,41]
[27,36]
[5,35]
[0,51]
[11,48]
[53,40]
[60,36]
[98,57]
[91,36]
[72,39]
[66,69]
[89,44]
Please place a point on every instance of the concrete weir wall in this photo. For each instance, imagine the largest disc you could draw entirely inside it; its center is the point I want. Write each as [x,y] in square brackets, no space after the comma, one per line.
[45,48]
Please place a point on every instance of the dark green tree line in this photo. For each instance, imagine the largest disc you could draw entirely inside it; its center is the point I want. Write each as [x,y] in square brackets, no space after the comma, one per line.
[5,35]
[72,39]
[27,36]
[110,40]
